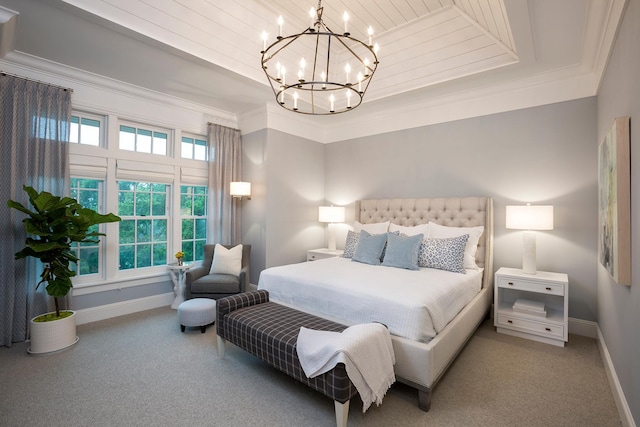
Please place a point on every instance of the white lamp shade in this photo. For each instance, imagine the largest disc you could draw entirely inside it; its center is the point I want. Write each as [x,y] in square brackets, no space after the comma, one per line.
[331,214]
[240,189]
[529,217]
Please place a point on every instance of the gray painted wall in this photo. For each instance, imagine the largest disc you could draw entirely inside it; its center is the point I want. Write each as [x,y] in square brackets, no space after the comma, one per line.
[254,217]
[542,155]
[619,306]
[281,219]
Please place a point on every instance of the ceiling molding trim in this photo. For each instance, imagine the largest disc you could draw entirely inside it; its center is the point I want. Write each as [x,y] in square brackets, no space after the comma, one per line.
[598,51]
[564,86]
[56,73]
[8,28]
[274,117]
[253,121]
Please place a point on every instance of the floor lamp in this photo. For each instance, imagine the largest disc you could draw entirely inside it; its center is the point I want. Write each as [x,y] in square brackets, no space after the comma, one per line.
[529,218]
[331,215]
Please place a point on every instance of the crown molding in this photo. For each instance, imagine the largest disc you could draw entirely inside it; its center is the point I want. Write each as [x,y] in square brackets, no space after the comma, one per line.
[8,29]
[272,116]
[85,84]
[398,114]
[598,50]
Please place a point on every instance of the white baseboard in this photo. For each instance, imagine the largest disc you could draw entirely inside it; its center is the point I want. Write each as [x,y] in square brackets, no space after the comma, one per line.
[618,395]
[585,328]
[108,311]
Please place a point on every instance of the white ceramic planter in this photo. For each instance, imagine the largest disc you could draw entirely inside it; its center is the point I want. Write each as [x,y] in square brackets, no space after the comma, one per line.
[47,337]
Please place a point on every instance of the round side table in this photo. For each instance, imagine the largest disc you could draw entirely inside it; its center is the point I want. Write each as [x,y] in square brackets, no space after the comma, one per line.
[177,273]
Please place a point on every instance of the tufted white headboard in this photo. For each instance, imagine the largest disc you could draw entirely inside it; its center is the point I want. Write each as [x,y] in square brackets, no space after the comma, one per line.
[450,211]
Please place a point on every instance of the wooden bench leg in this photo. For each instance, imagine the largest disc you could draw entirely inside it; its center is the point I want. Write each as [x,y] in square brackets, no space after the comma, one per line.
[342,413]
[221,348]
[424,400]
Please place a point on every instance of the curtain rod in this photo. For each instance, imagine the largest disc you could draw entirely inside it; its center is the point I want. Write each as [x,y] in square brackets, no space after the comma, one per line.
[4,73]
[217,124]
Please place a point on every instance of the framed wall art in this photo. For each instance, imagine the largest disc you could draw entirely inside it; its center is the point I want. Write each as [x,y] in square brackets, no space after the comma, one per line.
[614,205]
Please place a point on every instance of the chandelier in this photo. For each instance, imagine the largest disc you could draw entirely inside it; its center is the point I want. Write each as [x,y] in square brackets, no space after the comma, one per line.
[317,71]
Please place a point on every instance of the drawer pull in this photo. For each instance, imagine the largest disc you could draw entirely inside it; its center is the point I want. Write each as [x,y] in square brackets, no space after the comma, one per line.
[548,288]
[547,329]
[509,321]
[510,283]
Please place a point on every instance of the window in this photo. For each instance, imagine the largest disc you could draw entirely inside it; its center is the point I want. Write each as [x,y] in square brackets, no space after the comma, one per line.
[194,148]
[143,229]
[155,182]
[49,128]
[193,214]
[85,129]
[87,192]
[143,140]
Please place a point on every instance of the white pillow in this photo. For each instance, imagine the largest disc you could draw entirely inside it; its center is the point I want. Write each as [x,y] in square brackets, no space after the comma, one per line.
[410,231]
[375,228]
[438,231]
[227,261]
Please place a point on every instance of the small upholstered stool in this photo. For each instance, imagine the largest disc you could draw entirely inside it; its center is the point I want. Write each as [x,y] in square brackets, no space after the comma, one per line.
[197,312]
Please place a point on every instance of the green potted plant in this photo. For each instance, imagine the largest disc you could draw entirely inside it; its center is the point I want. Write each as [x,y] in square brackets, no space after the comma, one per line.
[52,227]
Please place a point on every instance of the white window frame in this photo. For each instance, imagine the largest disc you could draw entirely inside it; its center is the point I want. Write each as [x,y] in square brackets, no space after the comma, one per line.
[90,116]
[150,128]
[195,138]
[197,255]
[81,279]
[135,217]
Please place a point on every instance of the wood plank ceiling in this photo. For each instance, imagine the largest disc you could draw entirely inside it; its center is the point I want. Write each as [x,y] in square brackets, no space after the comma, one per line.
[422,42]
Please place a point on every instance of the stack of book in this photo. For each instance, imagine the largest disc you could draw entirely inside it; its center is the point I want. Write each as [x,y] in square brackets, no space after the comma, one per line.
[533,308]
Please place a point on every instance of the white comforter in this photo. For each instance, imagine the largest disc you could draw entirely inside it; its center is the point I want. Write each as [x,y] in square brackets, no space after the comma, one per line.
[412,304]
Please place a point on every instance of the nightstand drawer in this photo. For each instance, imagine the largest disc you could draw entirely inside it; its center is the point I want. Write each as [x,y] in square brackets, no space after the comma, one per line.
[531,286]
[531,326]
[322,253]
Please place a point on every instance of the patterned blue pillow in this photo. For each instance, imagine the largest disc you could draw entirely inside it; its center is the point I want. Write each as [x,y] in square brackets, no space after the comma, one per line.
[350,244]
[443,254]
[369,248]
[402,251]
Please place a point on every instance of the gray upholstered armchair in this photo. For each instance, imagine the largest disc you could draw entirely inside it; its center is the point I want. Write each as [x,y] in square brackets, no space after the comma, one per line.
[200,284]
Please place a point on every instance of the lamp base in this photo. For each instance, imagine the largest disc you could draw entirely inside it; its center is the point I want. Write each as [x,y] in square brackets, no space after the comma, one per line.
[331,243]
[529,252]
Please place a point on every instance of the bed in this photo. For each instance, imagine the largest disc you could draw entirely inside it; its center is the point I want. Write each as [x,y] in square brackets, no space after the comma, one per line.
[427,332]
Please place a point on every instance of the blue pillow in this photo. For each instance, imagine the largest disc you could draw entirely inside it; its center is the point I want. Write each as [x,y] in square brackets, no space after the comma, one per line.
[369,249]
[443,254]
[402,251]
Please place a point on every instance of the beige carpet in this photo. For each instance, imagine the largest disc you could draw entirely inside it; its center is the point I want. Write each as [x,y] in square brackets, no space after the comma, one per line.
[140,370]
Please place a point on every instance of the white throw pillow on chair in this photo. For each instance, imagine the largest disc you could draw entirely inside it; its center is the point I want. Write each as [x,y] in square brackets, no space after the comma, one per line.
[227,261]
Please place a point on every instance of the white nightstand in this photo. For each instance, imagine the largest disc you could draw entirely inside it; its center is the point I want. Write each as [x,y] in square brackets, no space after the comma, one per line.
[534,293]
[316,254]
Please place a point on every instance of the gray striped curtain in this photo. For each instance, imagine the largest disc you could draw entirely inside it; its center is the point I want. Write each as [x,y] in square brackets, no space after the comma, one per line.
[34,130]
[225,162]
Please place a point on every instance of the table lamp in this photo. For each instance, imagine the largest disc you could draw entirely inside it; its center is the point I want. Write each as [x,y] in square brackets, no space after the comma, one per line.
[529,218]
[331,215]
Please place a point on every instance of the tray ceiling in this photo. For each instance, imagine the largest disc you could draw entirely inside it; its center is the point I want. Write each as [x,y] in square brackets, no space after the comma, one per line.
[208,51]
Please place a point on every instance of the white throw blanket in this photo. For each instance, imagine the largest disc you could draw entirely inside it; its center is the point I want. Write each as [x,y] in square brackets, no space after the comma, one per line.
[366,351]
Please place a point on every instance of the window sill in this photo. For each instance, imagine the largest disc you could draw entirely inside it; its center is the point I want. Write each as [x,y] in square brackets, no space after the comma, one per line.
[119,283]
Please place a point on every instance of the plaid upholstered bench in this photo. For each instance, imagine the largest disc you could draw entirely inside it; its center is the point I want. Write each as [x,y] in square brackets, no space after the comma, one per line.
[269,331]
